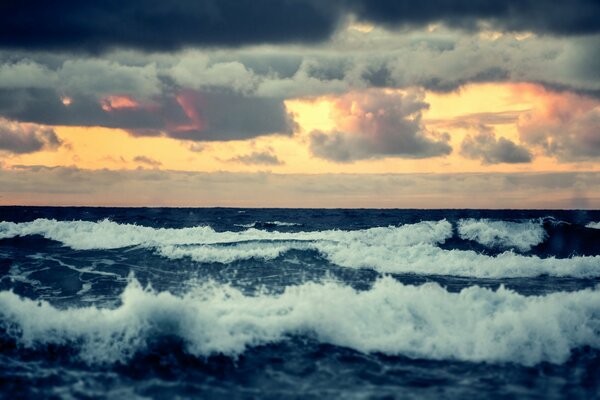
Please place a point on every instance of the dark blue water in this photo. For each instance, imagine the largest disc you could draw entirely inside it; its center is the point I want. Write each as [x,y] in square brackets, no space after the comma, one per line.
[280,303]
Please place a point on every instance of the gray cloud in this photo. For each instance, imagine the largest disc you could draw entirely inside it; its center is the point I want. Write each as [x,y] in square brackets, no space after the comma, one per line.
[22,138]
[258,158]
[147,161]
[486,147]
[378,124]
[187,114]
[72,186]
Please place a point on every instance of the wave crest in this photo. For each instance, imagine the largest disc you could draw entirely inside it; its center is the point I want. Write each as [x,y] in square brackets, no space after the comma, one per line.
[503,234]
[425,321]
[105,234]
[593,225]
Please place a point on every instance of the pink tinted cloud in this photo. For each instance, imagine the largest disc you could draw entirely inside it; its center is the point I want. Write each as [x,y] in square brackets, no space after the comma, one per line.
[376,124]
[565,125]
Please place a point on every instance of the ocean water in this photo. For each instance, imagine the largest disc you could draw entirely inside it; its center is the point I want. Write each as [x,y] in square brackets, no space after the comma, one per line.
[290,303]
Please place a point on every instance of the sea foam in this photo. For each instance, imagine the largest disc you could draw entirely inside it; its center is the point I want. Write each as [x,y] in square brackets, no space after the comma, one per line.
[425,321]
[105,234]
[411,248]
[503,234]
[593,225]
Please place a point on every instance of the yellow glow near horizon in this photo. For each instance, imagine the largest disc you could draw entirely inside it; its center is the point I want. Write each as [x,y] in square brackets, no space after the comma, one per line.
[97,148]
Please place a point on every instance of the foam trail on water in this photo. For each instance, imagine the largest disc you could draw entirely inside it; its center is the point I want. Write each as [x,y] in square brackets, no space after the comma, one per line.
[416,321]
[593,225]
[503,234]
[273,223]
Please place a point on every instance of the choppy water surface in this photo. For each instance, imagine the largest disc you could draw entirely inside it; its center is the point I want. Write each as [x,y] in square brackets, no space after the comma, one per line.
[167,303]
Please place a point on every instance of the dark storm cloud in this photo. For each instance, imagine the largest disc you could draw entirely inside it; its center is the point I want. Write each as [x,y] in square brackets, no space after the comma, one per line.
[168,25]
[162,25]
[486,147]
[26,138]
[556,17]
[189,115]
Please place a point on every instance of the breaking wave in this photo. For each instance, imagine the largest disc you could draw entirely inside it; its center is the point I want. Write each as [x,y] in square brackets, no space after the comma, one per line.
[503,234]
[425,321]
[411,248]
[593,225]
[105,234]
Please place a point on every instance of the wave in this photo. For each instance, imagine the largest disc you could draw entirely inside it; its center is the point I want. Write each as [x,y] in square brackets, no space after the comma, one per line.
[422,259]
[503,234]
[268,223]
[425,321]
[105,234]
[409,248]
[593,225]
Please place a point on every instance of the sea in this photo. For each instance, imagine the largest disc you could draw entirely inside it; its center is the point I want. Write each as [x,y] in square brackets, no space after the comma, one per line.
[226,303]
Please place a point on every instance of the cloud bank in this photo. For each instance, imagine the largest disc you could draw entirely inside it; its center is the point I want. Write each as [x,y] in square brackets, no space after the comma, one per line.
[149,25]
[72,186]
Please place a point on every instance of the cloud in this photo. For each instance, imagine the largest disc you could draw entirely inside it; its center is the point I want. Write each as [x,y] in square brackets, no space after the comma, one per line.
[186,114]
[222,116]
[376,124]
[564,125]
[258,158]
[563,17]
[159,25]
[486,147]
[148,187]
[22,138]
[147,161]
[441,60]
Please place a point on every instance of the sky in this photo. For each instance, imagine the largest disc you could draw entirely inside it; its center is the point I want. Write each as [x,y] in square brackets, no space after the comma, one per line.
[301,103]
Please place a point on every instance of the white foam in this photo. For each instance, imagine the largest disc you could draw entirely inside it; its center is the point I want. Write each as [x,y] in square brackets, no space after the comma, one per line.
[82,235]
[431,260]
[421,322]
[404,249]
[593,225]
[423,259]
[230,253]
[503,234]
[274,223]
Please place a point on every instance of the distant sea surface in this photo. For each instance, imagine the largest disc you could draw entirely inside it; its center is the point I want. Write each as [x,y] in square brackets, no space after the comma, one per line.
[291,303]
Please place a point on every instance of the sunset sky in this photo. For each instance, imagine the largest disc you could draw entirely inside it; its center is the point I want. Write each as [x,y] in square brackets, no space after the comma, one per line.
[301,103]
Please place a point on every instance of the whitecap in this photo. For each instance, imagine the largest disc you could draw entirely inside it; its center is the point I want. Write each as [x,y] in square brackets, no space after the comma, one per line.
[503,234]
[425,321]
[593,225]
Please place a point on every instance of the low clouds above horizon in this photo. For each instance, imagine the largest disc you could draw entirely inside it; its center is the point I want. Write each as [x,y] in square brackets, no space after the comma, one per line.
[35,185]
